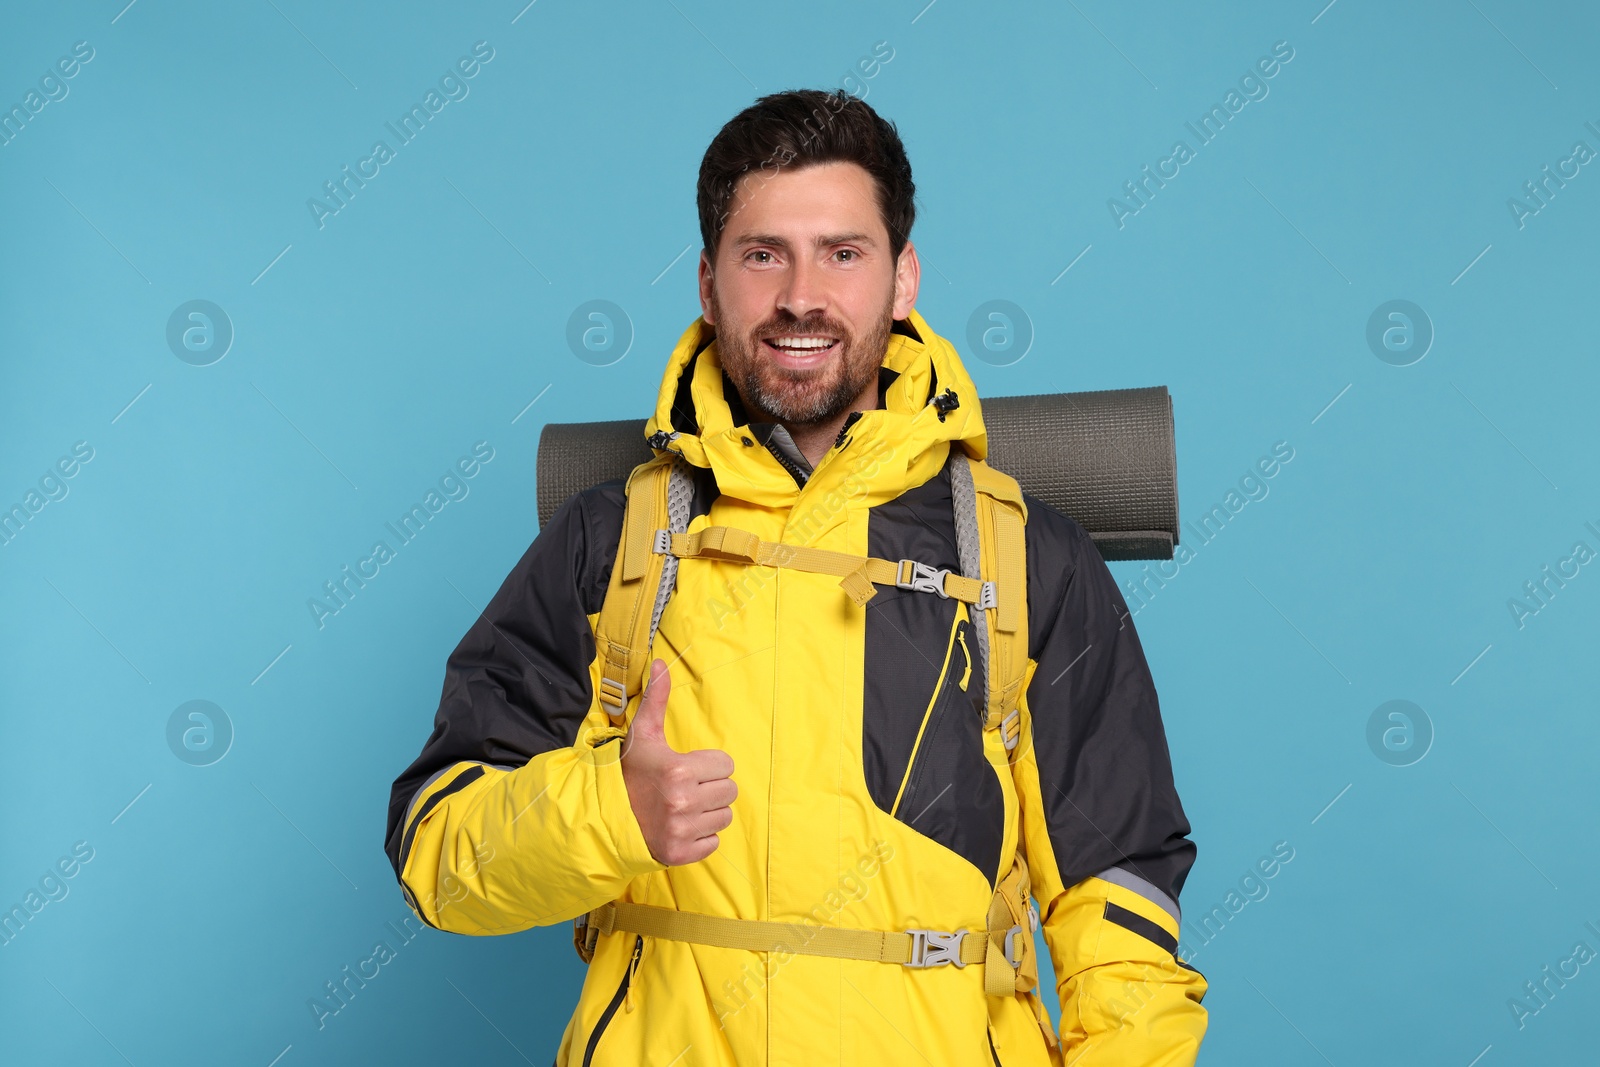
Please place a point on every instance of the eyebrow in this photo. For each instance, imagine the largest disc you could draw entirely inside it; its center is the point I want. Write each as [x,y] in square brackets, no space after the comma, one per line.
[822,241]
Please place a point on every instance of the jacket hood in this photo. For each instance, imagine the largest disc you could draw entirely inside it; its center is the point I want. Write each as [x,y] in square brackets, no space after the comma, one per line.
[908,439]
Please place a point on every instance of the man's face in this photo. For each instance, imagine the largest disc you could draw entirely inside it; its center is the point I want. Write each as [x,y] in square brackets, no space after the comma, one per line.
[804,290]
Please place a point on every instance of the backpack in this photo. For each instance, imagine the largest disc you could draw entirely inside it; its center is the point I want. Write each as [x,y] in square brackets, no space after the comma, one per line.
[989,518]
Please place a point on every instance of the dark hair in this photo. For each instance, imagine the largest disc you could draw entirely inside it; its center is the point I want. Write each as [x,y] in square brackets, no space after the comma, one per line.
[801,128]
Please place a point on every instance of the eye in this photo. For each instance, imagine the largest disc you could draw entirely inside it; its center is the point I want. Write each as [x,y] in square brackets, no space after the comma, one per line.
[760,252]
[851,254]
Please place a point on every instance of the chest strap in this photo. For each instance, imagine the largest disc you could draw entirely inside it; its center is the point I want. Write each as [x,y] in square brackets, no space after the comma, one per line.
[859,575]
[1005,947]
[909,948]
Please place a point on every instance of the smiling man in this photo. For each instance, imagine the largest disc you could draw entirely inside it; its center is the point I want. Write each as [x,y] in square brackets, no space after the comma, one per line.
[803,313]
[890,702]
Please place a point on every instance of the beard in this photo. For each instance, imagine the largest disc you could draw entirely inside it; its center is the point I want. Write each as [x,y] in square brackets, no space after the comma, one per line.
[803,397]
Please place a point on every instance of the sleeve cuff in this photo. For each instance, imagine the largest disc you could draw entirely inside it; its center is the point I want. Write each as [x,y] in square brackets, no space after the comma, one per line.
[616,810]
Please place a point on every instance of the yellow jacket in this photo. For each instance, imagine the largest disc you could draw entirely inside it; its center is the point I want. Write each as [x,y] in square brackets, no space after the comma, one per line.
[870,796]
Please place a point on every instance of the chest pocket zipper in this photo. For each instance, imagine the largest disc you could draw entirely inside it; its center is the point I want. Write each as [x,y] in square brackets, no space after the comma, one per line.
[616,1002]
[936,702]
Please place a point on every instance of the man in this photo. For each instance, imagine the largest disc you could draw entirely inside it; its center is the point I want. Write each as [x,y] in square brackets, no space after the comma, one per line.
[799,761]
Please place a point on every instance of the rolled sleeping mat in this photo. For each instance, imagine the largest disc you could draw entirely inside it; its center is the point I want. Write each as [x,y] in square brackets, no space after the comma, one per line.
[1105,458]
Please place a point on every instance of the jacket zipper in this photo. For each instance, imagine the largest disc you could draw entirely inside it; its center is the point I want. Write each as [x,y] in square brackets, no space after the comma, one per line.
[935,700]
[992,1053]
[616,1002]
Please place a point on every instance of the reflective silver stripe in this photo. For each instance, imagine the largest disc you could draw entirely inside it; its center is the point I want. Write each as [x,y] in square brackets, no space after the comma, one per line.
[411,805]
[1133,883]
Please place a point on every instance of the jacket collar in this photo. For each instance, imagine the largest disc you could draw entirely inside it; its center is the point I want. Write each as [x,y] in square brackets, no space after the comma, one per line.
[905,435]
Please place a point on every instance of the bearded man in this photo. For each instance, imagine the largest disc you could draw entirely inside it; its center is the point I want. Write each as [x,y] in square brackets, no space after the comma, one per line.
[816,835]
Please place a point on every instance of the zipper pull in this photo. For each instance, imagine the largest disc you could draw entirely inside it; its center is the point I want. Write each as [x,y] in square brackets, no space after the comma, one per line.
[633,968]
[961,635]
[849,421]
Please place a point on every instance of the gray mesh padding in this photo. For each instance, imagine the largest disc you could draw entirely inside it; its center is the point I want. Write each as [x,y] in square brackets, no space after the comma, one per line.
[1104,458]
[680,495]
[964,501]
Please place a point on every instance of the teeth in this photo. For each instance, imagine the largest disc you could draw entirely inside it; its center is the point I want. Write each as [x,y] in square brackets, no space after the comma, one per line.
[803,343]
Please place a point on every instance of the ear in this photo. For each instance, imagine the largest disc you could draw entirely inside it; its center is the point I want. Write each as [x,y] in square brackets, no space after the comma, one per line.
[907,278]
[706,282]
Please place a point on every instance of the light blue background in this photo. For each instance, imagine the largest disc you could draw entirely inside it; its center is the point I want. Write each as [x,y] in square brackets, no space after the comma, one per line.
[428,313]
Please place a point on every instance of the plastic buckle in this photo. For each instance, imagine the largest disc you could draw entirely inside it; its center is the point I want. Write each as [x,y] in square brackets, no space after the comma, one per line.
[613,693]
[920,578]
[988,598]
[663,545]
[1010,735]
[929,948]
[1013,946]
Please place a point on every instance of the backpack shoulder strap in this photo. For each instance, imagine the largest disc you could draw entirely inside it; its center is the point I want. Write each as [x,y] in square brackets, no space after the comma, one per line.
[990,517]
[659,492]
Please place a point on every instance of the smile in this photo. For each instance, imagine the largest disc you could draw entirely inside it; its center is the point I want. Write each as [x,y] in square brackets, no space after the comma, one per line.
[805,350]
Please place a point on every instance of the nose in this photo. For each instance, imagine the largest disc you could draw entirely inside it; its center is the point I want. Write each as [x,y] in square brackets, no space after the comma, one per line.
[804,291]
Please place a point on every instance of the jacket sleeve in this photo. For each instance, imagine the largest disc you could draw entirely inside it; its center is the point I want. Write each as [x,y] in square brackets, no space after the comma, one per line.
[1105,835]
[515,814]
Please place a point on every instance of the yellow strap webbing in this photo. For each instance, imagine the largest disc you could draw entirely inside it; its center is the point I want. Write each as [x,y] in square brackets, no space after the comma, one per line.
[622,632]
[758,935]
[859,574]
[1003,559]
[1010,916]
[1008,937]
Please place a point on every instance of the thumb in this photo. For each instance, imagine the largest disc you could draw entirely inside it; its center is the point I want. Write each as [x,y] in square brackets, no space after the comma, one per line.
[649,722]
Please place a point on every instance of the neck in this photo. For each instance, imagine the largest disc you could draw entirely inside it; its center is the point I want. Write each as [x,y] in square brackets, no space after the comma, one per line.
[815,438]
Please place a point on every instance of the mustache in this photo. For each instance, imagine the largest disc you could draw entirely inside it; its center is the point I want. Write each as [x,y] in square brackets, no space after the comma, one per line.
[822,326]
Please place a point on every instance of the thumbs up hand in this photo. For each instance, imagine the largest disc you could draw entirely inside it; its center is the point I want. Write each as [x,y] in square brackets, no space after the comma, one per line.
[681,799]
